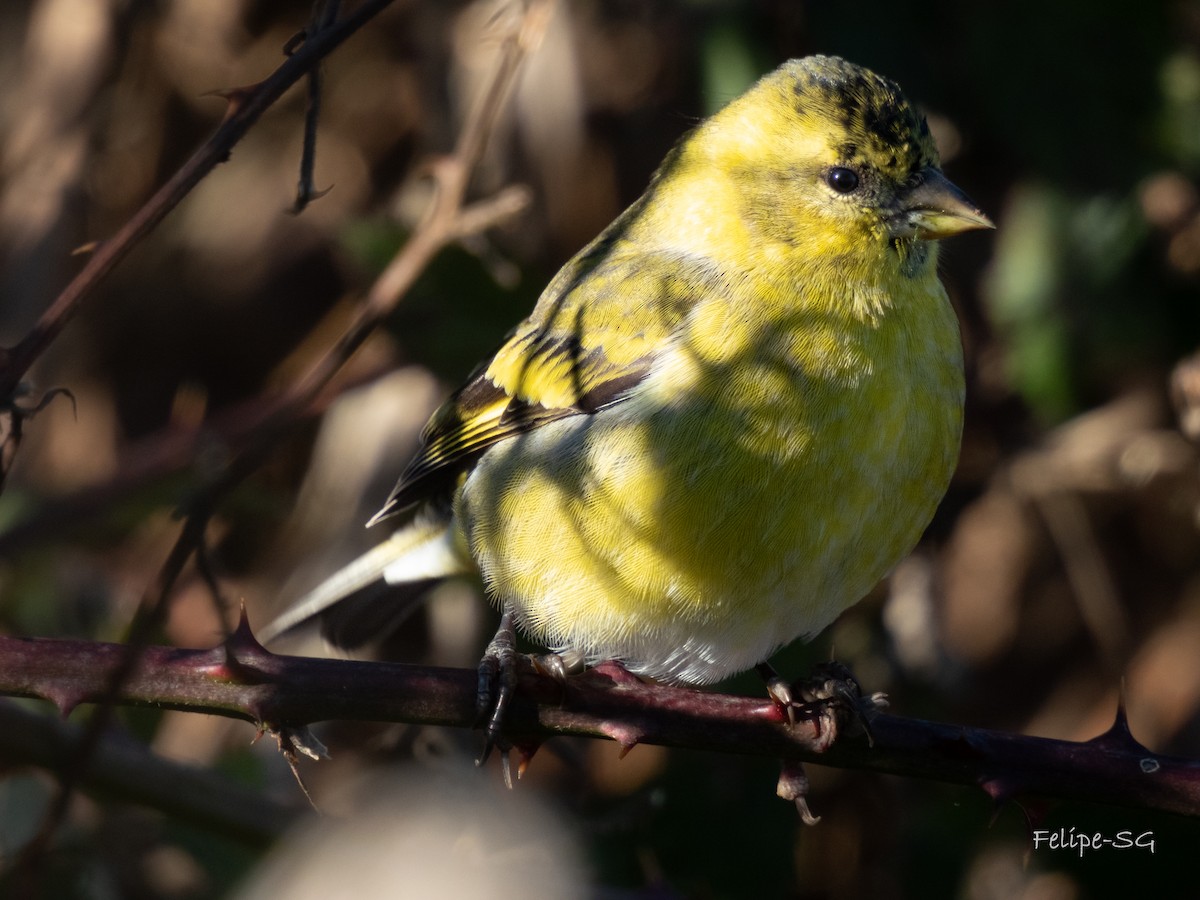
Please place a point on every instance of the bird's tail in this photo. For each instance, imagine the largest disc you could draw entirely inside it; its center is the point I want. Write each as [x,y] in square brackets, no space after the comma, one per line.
[370,596]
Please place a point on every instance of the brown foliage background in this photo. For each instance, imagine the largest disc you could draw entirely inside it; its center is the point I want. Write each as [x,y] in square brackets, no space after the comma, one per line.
[1064,559]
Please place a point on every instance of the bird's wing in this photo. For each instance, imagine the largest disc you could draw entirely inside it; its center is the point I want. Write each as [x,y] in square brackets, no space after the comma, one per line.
[583,348]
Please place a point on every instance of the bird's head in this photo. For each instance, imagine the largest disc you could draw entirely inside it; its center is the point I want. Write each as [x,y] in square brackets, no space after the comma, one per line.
[830,156]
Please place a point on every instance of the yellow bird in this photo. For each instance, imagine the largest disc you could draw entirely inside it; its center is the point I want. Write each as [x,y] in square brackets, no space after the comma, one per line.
[726,418]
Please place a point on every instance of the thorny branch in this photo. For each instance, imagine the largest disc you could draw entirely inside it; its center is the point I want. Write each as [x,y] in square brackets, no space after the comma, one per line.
[243,680]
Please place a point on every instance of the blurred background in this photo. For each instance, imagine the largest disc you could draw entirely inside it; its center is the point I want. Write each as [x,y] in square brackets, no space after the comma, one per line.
[1064,561]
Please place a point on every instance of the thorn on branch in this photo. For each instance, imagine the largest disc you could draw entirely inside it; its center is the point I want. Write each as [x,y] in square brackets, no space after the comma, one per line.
[64,698]
[306,189]
[525,753]
[295,42]
[1119,737]
[306,192]
[235,99]
[244,657]
[624,734]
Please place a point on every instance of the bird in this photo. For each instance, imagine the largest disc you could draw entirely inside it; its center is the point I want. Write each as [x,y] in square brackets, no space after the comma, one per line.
[726,418]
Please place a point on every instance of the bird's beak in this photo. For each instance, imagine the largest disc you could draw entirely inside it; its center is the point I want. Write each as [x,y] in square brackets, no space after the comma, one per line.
[934,208]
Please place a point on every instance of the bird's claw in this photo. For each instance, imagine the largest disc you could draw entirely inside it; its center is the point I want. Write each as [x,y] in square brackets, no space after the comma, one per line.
[779,690]
[829,696]
[833,686]
[497,683]
[793,786]
[559,665]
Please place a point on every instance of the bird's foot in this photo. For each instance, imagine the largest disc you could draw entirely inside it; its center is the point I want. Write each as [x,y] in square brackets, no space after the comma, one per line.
[497,682]
[830,697]
[832,700]
[834,686]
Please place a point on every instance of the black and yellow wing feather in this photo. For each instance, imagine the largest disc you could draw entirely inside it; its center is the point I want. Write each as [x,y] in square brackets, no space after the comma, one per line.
[584,347]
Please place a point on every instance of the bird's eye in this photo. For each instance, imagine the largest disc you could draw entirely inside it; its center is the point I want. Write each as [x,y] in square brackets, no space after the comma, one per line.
[842,180]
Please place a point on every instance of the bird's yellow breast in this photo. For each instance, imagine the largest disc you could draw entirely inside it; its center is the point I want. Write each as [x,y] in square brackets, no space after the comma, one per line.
[784,452]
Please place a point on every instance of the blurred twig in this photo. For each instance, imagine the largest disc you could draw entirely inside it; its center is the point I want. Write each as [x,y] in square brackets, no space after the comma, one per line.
[246,105]
[445,223]
[13,415]
[150,615]
[447,218]
[160,455]
[243,680]
[325,13]
[133,773]
[1093,584]
[1108,451]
